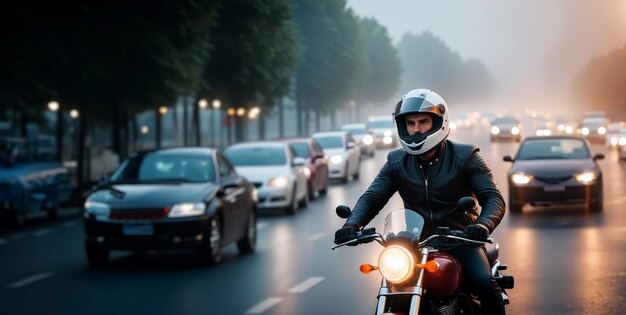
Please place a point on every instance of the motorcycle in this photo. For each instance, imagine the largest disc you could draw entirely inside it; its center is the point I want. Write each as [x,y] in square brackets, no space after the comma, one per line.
[416,276]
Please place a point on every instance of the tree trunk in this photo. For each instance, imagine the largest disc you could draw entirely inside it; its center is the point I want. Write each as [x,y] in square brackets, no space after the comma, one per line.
[317,120]
[157,138]
[239,131]
[184,125]
[80,170]
[261,127]
[59,134]
[196,123]
[281,119]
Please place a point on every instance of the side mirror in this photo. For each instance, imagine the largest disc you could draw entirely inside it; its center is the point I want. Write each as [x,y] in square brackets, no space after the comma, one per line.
[343,211]
[350,145]
[507,158]
[598,156]
[298,161]
[466,203]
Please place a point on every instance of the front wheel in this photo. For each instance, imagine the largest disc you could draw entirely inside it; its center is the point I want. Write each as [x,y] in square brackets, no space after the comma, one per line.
[210,250]
[247,244]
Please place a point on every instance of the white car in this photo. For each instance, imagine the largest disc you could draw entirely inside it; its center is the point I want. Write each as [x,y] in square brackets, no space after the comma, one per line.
[363,138]
[275,171]
[342,152]
[384,129]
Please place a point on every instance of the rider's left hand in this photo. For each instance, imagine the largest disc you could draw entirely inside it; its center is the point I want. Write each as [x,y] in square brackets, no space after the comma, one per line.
[476,231]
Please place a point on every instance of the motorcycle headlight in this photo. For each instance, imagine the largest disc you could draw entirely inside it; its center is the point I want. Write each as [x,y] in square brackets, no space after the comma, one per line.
[336,159]
[187,210]
[586,177]
[368,140]
[278,182]
[521,178]
[396,263]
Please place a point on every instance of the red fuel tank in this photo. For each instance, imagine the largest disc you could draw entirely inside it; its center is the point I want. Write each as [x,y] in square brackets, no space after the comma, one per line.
[446,281]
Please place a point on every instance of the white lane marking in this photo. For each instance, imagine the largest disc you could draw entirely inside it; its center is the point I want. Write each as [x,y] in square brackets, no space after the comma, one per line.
[18,236]
[261,225]
[42,232]
[69,224]
[2,241]
[26,281]
[315,237]
[307,284]
[264,305]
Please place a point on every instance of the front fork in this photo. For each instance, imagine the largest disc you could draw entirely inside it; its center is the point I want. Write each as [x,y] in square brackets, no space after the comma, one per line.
[415,291]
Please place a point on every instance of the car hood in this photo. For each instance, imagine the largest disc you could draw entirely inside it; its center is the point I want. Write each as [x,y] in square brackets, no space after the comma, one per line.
[331,152]
[553,168]
[263,173]
[154,195]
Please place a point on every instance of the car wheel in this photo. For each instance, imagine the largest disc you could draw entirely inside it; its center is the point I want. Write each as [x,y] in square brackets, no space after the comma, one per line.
[97,255]
[324,189]
[210,250]
[515,207]
[293,206]
[247,244]
[599,204]
[346,175]
[53,211]
[357,174]
[311,189]
[305,201]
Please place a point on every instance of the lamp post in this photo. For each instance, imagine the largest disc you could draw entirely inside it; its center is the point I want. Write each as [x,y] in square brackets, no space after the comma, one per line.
[159,116]
[217,104]
[54,106]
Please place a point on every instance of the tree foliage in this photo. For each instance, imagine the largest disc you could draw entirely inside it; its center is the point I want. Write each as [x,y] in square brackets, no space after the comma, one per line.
[429,63]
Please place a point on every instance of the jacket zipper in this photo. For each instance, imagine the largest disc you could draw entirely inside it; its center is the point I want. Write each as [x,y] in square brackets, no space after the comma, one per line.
[425,174]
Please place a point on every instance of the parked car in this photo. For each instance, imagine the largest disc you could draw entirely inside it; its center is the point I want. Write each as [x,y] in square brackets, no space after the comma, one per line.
[506,128]
[316,164]
[621,143]
[362,137]
[554,170]
[384,129]
[171,198]
[275,170]
[345,157]
[31,180]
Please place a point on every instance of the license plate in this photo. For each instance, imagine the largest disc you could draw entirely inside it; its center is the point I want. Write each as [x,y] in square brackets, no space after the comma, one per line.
[554,188]
[138,230]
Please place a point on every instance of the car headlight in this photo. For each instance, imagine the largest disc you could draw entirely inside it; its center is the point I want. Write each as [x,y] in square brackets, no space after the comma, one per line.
[187,210]
[586,177]
[495,130]
[585,131]
[515,130]
[539,132]
[569,129]
[613,141]
[387,140]
[96,210]
[396,263]
[601,130]
[368,139]
[621,141]
[387,133]
[278,182]
[307,172]
[336,159]
[521,178]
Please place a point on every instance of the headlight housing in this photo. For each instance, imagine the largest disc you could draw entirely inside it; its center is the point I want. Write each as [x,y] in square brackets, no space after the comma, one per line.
[336,159]
[96,210]
[278,182]
[586,178]
[495,130]
[521,178]
[368,139]
[396,264]
[515,130]
[187,210]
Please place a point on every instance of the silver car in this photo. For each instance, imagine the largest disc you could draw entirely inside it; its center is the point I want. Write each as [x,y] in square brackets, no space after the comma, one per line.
[344,156]
[275,171]
[362,137]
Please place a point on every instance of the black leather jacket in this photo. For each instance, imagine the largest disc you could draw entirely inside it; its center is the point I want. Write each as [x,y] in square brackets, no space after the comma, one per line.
[432,188]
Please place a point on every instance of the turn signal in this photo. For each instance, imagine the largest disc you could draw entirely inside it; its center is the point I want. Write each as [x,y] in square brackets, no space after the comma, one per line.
[367,268]
[430,266]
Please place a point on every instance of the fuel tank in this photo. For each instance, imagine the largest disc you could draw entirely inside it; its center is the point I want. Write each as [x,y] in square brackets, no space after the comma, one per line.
[446,281]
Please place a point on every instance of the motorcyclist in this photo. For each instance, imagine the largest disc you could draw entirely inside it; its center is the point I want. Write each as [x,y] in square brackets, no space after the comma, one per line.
[431,174]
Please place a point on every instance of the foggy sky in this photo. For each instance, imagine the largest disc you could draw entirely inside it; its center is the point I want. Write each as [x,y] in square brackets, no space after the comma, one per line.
[532,47]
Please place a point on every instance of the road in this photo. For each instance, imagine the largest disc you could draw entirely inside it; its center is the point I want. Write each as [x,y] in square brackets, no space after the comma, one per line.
[565,261]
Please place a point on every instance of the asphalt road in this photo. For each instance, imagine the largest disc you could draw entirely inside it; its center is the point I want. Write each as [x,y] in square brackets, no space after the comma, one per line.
[565,261]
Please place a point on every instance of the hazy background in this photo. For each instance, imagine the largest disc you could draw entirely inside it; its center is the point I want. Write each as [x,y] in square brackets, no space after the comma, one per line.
[532,48]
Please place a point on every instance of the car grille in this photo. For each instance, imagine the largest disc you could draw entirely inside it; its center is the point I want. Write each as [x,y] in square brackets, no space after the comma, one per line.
[139,213]
[553,180]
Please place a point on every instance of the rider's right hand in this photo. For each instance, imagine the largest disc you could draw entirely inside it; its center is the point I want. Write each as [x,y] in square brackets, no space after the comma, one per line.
[346,233]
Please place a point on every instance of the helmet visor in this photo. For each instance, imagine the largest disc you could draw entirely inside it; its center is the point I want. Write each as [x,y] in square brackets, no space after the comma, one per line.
[413,105]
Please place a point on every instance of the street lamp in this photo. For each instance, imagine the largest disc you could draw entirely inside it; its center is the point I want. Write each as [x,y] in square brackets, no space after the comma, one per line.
[74,113]
[217,104]
[53,106]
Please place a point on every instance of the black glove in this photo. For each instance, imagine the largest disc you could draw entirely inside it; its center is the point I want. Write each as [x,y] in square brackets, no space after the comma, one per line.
[346,233]
[476,232]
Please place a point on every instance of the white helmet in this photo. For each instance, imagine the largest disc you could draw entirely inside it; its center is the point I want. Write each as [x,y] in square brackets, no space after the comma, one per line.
[417,102]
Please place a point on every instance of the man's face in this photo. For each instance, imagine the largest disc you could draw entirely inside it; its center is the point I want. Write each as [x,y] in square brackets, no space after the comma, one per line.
[418,123]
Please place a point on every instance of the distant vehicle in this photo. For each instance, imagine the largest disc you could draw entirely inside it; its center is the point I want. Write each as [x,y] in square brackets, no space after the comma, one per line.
[171,198]
[363,138]
[621,142]
[594,129]
[276,172]
[543,128]
[384,129]
[316,165]
[613,133]
[554,170]
[507,128]
[345,157]
[594,114]
[31,180]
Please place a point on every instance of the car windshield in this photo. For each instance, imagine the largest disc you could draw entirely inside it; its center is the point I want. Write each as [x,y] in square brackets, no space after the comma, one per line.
[538,149]
[505,121]
[330,142]
[249,156]
[355,130]
[380,124]
[301,149]
[165,167]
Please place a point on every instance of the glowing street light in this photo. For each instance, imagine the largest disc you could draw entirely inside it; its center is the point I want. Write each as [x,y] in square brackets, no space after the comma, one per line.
[74,113]
[254,112]
[217,104]
[203,103]
[241,111]
[144,130]
[230,111]
[53,106]
[163,110]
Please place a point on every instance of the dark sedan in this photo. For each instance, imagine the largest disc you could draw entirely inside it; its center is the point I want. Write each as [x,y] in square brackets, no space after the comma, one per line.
[171,198]
[554,170]
[316,164]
